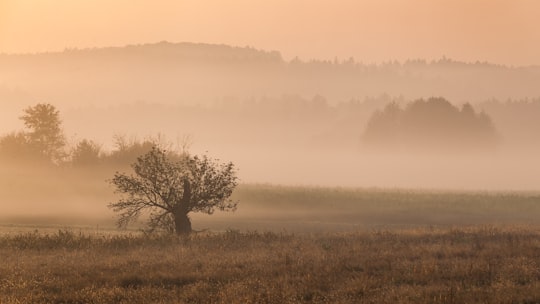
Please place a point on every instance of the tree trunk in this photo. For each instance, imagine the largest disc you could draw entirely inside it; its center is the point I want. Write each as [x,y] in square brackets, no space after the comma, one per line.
[182,222]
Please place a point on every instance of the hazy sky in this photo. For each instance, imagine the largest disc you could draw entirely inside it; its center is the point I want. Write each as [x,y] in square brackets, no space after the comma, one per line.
[499,31]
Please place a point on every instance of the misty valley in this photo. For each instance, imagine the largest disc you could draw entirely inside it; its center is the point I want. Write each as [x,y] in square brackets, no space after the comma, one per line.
[201,173]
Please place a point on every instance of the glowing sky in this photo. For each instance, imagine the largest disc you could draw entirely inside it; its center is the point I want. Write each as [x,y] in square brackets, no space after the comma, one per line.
[499,31]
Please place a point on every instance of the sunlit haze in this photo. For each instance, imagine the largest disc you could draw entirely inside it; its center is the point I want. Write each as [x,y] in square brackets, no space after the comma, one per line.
[269,151]
[417,94]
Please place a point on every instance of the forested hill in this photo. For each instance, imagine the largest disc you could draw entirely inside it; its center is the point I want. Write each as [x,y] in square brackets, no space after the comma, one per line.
[149,53]
[203,73]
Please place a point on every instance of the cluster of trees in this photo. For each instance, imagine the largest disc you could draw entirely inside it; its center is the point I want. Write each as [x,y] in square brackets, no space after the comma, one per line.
[433,123]
[165,186]
[43,141]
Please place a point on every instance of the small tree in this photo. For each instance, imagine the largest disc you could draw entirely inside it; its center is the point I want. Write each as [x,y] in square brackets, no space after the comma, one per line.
[169,186]
[45,134]
[86,153]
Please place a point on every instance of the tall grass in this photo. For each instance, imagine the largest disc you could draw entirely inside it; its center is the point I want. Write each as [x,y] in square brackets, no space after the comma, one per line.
[484,264]
[314,245]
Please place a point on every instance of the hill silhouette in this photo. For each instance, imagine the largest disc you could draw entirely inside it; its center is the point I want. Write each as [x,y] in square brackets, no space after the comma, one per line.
[193,73]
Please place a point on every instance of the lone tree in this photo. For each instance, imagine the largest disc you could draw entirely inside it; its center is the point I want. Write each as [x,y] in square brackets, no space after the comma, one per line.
[45,135]
[168,186]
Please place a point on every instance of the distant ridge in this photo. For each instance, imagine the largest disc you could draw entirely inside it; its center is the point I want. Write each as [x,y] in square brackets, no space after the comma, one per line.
[204,73]
[182,50]
[206,51]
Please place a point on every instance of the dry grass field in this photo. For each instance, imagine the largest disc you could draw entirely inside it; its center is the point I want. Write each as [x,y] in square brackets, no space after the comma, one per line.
[482,264]
[283,245]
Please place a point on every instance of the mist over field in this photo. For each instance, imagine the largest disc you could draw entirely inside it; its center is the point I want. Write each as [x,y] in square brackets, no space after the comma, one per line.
[298,122]
[416,125]
[250,151]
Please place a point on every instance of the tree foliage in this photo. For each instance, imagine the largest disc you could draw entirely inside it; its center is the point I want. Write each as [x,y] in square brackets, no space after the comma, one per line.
[168,186]
[86,153]
[433,123]
[45,135]
[126,150]
[14,147]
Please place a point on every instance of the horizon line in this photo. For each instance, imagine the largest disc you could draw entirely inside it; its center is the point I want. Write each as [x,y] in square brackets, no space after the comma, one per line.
[442,59]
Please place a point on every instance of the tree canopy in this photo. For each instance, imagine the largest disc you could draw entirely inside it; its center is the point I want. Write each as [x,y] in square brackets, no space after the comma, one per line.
[433,123]
[45,135]
[86,153]
[168,186]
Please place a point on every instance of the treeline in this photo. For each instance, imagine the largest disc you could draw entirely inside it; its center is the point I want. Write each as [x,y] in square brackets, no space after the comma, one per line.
[290,122]
[221,53]
[201,73]
[293,120]
[43,142]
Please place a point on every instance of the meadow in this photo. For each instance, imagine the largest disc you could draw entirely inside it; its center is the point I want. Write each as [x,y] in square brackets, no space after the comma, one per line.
[288,245]
[460,265]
